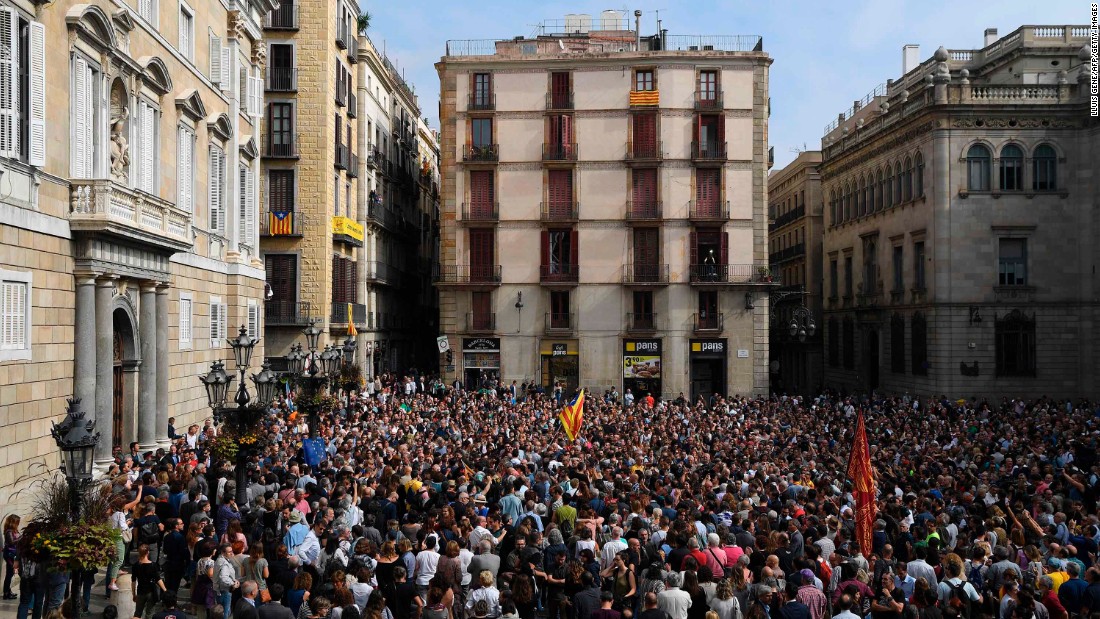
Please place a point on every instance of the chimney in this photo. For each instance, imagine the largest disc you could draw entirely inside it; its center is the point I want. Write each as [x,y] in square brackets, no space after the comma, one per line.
[637,30]
[990,36]
[910,58]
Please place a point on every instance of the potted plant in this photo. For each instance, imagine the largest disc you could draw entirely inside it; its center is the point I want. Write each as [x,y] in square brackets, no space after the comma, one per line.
[763,274]
[351,377]
[58,543]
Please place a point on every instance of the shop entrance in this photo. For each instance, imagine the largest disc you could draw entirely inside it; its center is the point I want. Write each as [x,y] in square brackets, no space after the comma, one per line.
[708,368]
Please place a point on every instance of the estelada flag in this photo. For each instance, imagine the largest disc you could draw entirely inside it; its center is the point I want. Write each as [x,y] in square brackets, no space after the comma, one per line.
[572,415]
[281,223]
[862,476]
[351,322]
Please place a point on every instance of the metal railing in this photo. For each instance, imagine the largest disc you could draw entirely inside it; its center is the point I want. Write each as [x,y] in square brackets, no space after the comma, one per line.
[278,312]
[339,314]
[282,222]
[650,274]
[281,146]
[559,273]
[559,100]
[559,211]
[712,322]
[483,153]
[378,272]
[877,91]
[721,273]
[480,322]
[641,323]
[283,18]
[708,100]
[559,322]
[480,212]
[353,166]
[644,151]
[711,210]
[794,251]
[709,150]
[342,156]
[649,210]
[353,105]
[559,152]
[788,217]
[468,274]
[713,42]
[481,101]
[281,79]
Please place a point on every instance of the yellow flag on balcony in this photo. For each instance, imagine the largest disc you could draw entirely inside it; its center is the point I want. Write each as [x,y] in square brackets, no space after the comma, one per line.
[351,321]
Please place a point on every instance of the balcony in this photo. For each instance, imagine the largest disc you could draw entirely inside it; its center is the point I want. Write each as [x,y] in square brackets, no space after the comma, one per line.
[708,151]
[559,211]
[708,101]
[710,210]
[480,213]
[641,323]
[353,105]
[649,210]
[559,101]
[559,324]
[729,274]
[645,98]
[559,152]
[343,154]
[786,218]
[374,158]
[559,273]
[645,274]
[347,231]
[795,251]
[481,101]
[353,48]
[281,79]
[342,35]
[381,273]
[281,146]
[353,166]
[481,323]
[281,313]
[104,206]
[468,275]
[339,315]
[283,18]
[282,222]
[708,322]
[646,152]
[341,95]
[486,153]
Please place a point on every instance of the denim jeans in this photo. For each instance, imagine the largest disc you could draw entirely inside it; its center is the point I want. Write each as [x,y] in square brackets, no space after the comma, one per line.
[53,590]
[30,603]
[226,600]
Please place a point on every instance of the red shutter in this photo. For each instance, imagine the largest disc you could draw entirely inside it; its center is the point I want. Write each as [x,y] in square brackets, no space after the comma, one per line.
[721,129]
[481,192]
[693,246]
[544,247]
[724,247]
[645,188]
[645,135]
[566,130]
[482,303]
[559,89]
[561,193]
[555,130]
[353,296]
[481,253]
[707,191]
[574,253]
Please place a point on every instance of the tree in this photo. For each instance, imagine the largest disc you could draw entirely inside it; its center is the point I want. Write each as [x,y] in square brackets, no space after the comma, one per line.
[364,22]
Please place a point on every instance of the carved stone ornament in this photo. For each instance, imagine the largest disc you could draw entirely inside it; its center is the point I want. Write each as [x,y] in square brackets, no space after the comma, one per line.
[120,148]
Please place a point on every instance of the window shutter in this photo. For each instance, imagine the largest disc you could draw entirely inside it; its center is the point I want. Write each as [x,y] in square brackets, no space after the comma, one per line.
[693,243]
[37,124]
[185,321]
[574,252]
[186,186]
[216,74]
[223,328]
[148,150]
[226,83]
[250,206]
[13,335]
[253,320]
[544,245]
[81,166]
[215,324]
[217,223]
[242,94]
[255,98]
[724,247]
[242,201]
[9,82]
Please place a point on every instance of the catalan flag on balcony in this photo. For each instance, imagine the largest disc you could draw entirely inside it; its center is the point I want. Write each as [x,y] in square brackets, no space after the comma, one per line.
[645,97]
[572,416]
[351,322]
[281,224]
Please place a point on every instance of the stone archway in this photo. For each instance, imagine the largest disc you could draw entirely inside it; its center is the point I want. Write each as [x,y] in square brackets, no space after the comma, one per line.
[127,362]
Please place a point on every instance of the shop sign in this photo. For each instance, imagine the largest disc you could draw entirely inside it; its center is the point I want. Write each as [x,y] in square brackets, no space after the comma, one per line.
[559,350]
[708,346]
[481,343]
[641,347]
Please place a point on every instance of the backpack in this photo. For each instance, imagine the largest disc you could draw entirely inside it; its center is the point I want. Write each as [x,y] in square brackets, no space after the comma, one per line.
[975,577]
[959,606]
[150,533]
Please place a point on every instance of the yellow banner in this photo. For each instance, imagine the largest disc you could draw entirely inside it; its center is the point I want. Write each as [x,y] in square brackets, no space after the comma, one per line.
[347,227]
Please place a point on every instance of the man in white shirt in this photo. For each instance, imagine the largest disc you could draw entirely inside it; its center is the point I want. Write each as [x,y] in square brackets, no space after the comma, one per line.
[919,568]
[613,547]
[674,600]
[845,605]
[310,549]
[426,562]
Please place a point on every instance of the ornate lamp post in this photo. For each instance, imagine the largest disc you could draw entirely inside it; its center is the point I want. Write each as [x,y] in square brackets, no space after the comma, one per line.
[76,438]
[310,372]
[802,323]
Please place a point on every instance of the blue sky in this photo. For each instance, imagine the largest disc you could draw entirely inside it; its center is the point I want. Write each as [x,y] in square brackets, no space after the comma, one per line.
[826,54]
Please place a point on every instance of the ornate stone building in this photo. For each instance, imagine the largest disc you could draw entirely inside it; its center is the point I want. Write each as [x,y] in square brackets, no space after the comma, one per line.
[129,245]
[628,246]
[959,211]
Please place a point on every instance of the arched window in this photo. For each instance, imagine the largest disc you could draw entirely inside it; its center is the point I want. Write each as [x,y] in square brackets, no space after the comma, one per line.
[862,196]
[832,206]
[1044,172]
[871,193]
[977,168]
[897,183]
[1012,168]
[918,189]
[847,202]
[881,191]
[907,182]
[889,187]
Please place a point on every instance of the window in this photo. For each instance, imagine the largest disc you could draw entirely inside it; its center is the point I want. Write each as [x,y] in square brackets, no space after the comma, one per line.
[560,252]
[282,278]
[185,321]
[83,114]
[834,343]
[246,205]
[344,280]
[560,97]
[559,309]
[336,195]
[253,319]
[15,315]
[849,284]
[280,191]
[483,90]
[834,285]
[870,266]
[149,10]
[849,344]
[881,190]
[1011,168]
[280,70]
[481,193]
[888,188]
[219,322]
[897,344]
[899,269]
[918,265]
[185,167]
[560,193]
[977,168]
[647,253]
[833,208]
[281,129]
[644,135]
[482,254]
[899,179]
[481,132]
[861,198]
[919,189]
[1012,261]
[708,317]
[1044,170]
[145,145]
[907,181]
[187,32]
[871,208]
[22,88]
[643,309]
[1015,344]
[216,188]
[644,80]
[708,86]
[919,345]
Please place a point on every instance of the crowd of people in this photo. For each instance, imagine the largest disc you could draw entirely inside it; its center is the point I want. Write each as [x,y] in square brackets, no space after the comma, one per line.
[434,502]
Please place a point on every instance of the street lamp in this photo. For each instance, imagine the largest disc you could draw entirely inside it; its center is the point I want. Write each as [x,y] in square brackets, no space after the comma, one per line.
[295,360]
[330,360]
[267,384]
[217,384]
[349,350]
[76,438]
[802,323]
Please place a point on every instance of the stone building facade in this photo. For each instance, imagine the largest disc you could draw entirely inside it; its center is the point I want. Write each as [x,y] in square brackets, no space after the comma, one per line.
[795,235]
[604,210]
[958,254]
[128,250]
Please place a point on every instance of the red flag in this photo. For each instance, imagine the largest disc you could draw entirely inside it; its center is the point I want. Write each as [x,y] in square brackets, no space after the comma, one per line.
[862,476]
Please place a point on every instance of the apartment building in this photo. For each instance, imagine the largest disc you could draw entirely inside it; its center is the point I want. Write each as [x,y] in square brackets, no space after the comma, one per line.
[604,209]
[795,235]
[958,224]
[399,191]
[310,231]
[128,250]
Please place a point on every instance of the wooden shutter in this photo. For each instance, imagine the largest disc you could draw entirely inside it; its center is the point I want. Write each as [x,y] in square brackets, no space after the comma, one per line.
[217,220]
[337,279]
[37,97]
[282,276]
[242,200]
[148,146]
[186,186]
[646,248]
[256,96]
[544,248]
[226,82]
[14,308]
[216,75]
[185,322]
[253,320]
[481,192]
[215,324]
[693,248]
[707,190]
[724,247]
[481,252]
[645,135]
[574,252]
[644,190]
[250,206]
[354,283]
[481,303]
[559,89]
[81,165]
[9,83]
[281,191]
[561,193]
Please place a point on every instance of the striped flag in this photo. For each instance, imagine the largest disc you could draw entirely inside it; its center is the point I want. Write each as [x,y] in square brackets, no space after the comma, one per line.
[862,475]
[351,322]
[281,223]
[572,416]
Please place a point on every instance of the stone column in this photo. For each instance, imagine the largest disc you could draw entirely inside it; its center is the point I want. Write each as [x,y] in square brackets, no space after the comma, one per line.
[162,365]
[84,350]
[147,380]
[104,369]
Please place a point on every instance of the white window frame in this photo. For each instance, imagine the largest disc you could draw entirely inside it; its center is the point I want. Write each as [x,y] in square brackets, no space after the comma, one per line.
[252,319]
[149,10]
[185,168]
[84,111]
[145,143]
[219,324]
[246,204]
[9,352]
[186,42]
[187,308]
[216,189]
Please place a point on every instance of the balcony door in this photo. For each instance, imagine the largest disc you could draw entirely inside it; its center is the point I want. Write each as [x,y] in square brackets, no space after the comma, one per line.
[708,309]
[481,193]
[709,130]
[482,306]
[645,135]
[644,192]
[281,67]
[482,250]
[561,194]
[708,86]
[643,309]
[708,189]
[281,133]
[647,250]
[559,90]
